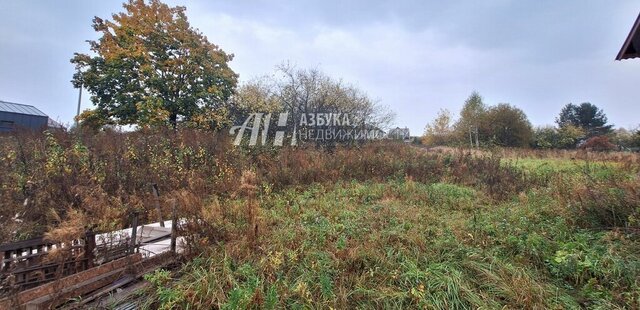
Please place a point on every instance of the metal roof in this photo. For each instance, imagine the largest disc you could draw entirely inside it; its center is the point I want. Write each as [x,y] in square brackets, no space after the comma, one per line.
[53,124]
[19,108]
[631,46]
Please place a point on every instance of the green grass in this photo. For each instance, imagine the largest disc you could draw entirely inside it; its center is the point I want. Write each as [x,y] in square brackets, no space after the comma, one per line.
[542,171]
[560,165]
[404,244]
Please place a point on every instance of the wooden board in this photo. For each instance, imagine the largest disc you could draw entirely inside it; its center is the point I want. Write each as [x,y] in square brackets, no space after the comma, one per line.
[50,289]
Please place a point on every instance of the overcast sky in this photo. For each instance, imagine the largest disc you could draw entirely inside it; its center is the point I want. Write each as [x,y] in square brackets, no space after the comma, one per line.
[413,56]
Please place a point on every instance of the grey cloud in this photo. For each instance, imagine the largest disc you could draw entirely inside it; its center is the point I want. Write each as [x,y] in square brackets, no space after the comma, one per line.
[415,56]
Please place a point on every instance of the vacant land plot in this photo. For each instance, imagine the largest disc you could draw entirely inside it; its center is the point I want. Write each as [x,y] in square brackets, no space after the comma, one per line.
[380,225]
[567,239]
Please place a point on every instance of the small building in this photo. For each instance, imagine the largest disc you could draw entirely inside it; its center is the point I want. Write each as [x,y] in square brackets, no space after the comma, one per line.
[631,46]
[399,134]
[15,116]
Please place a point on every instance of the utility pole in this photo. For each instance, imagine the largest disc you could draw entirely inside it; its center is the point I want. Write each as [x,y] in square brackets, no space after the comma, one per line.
[79,101]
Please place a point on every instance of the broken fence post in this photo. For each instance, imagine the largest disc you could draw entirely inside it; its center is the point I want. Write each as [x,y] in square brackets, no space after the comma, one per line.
[89,246]
[174,226]
[156,194]
[134,232]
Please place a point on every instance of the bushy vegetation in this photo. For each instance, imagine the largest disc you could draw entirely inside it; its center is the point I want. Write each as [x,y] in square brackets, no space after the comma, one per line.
[110,174]
[478,124]
[406,244]
[598,143]
[382,225]
[376,225]
[504,125]
[106,176]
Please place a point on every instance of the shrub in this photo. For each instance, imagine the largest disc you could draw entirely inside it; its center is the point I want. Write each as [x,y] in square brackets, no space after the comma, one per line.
[598,143]
[606,204]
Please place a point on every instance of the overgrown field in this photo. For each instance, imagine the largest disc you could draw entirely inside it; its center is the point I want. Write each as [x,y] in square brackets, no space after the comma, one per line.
[382,225]
[406,244]
[559,234]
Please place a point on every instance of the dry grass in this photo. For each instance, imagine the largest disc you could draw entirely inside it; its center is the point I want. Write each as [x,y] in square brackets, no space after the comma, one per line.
[382,225]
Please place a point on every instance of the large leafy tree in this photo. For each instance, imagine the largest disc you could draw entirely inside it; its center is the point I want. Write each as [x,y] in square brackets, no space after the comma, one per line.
[472,110]
[151,67]
[586,116]
[507,125]
[470,116]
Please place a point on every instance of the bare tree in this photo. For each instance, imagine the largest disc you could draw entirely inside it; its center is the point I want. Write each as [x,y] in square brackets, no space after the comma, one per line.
[300,91]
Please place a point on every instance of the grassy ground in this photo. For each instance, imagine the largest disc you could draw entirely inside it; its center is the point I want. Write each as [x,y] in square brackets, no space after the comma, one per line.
[544,167]
[380,225]
[405,244]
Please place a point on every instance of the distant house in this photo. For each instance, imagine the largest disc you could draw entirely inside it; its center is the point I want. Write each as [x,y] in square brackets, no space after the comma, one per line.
[631,46]
[399,134]
[373,132]
[15,116]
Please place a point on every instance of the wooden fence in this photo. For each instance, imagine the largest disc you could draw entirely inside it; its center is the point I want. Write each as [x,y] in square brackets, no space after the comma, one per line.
[29,263]
[25,264]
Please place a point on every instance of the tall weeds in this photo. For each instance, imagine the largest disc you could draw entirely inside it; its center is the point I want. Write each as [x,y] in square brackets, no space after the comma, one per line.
[107,175]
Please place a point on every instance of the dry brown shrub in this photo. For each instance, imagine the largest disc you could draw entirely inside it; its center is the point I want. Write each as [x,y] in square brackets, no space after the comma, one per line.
[611,203]
[248,185]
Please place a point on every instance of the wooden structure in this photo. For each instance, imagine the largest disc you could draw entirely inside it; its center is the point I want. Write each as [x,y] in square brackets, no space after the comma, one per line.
[28,264]
[25,263]
[631,46]
[46,295]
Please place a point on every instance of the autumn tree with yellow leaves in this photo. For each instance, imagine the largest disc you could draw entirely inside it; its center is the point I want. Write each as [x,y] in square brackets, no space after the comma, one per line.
[440,130]
[151,68]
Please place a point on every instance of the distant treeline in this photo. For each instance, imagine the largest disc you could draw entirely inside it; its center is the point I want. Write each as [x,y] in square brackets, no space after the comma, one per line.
[577,126]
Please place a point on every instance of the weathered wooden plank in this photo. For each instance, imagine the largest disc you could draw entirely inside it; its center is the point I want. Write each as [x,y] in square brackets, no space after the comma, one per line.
[50,288]
[142,267]
[79,289]
[5,247]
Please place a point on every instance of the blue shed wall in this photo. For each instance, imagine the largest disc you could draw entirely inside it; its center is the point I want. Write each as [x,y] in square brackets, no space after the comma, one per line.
[22,121]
